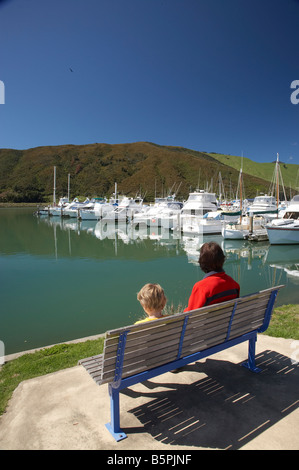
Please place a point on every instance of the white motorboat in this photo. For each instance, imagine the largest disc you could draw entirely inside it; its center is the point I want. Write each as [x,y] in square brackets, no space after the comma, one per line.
[87,214]
[99,209]
[211,223]
[197,205]
[148,212]
[72,210]
[125,210]
[285,231]
[103,208]
[166,215]
[265,205]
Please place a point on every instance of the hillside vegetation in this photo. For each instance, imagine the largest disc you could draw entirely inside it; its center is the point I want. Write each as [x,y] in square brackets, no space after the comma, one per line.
[289,171]
[138,168]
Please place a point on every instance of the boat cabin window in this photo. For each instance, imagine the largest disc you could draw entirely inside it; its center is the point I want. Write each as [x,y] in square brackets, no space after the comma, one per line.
[197,212]
[291,215]
[193,197]
[264,200]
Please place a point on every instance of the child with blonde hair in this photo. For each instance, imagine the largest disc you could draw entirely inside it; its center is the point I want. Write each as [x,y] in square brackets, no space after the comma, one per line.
[152,300]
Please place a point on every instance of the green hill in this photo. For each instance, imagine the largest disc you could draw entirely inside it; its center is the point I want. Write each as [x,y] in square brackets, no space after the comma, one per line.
[289,171]
[141,167]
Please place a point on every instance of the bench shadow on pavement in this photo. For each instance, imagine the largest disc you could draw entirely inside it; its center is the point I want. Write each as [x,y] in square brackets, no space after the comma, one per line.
[227,408]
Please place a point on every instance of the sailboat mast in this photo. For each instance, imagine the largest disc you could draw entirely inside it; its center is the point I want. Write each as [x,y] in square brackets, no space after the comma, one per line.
[241,188]
[241,193]
[277,182]
[54,189]
[68,187]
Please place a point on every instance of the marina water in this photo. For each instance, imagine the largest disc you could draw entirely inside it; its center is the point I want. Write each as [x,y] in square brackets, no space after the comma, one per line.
[62,279]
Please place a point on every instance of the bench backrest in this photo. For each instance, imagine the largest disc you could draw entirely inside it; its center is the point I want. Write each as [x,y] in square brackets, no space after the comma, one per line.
[141,347]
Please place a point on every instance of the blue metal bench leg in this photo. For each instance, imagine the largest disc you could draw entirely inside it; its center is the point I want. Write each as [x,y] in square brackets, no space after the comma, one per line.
[250,364]
[114,425]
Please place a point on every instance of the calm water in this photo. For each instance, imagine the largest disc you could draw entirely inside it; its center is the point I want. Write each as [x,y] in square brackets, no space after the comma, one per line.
[61,280]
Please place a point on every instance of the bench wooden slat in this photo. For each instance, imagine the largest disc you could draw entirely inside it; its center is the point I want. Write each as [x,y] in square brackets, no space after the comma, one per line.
[249,308]
[258,316]
[245,328]
[145,363]
[98,359]
[134,340]
[94,366]
[154,357]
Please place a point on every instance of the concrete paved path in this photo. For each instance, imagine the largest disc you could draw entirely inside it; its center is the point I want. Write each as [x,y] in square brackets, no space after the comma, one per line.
[212,404]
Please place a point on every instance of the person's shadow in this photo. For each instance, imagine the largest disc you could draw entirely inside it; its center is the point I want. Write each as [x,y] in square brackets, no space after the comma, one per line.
[226,409]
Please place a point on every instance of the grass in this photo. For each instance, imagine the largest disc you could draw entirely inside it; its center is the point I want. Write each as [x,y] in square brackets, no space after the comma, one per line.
[44,361]
[284,324]
[289,171]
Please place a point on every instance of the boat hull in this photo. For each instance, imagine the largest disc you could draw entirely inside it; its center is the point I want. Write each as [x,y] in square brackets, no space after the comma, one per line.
[283,235]
[201,227]
[234,234]
[88,215]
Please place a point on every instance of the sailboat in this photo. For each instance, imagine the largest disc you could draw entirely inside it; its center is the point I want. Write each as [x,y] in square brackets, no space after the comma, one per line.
[57,210]
[285,230]
[246,224]
[47,210]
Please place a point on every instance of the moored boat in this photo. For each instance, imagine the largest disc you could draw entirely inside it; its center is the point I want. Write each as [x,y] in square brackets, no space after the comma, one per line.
[263,205]
[285,231]
[125,210]
[241,230]
[198,204]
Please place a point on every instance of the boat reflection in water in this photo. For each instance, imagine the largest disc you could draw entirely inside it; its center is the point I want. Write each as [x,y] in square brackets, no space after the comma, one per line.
[280,257]
[285,258]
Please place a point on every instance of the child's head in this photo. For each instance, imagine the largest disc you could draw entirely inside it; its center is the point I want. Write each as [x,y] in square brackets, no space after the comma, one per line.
[152,298]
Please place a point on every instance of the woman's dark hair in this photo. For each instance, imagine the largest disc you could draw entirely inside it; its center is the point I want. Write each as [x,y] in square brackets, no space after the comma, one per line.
[211,257]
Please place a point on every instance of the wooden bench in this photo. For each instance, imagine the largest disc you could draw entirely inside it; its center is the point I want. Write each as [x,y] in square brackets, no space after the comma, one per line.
[139,352]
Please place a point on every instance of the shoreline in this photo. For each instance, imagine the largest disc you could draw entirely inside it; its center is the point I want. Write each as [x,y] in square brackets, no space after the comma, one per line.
[10,357]
[22,204]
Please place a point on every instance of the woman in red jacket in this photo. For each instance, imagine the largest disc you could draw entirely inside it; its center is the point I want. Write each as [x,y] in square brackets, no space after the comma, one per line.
[216,286]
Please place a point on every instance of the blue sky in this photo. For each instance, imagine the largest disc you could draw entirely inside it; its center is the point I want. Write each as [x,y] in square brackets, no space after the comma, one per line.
[210,75]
